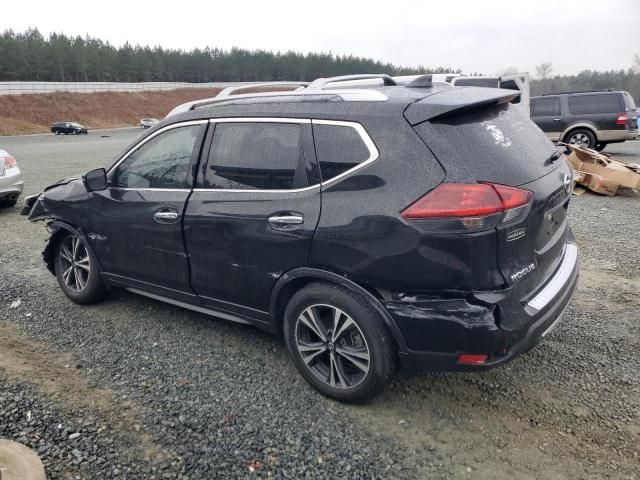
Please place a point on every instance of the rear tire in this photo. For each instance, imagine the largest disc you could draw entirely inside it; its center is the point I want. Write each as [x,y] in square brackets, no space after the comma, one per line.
[8,203]
[77,270]
[338,343]
[601,146]
[581,137]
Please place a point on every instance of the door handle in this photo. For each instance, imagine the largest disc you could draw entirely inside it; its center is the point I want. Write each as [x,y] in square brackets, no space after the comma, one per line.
[556,119]
[166,216]
[286,220]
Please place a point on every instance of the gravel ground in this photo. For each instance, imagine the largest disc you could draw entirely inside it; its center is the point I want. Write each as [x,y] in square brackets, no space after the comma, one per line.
[155,391]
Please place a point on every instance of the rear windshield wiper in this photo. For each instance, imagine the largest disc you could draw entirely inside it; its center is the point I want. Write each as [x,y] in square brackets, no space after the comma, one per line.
[552,158]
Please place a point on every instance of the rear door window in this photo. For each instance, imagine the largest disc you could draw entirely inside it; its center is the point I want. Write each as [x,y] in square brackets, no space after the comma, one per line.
[256,156]
[339,148]
[545,107]
[601,103]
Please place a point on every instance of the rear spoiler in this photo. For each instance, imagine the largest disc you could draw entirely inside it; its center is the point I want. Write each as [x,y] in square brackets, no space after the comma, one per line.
[447,102]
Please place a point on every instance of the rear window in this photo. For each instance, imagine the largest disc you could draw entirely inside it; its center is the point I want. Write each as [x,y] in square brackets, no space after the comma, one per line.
[498,143]
[338,148]
[628,99]
[477,82]
[545,107]
[602,103]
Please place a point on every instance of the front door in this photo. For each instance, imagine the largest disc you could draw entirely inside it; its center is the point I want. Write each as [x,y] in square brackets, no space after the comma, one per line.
[254,214]
[137,221]
[545,112]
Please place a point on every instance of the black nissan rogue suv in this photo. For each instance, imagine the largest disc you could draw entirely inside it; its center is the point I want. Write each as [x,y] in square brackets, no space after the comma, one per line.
[418,226]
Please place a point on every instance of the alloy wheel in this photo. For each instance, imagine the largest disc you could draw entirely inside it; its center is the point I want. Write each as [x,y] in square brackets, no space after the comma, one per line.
[75,263]
[332,346]
[580,139]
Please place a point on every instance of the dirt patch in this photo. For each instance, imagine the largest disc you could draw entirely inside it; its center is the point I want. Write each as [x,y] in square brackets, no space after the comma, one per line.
[34,113]
[60,378]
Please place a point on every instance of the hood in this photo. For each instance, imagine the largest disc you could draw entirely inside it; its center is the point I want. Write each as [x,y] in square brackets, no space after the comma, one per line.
[63,181]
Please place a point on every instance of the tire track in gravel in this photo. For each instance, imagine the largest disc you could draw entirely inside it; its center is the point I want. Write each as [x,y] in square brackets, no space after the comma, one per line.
[58,377]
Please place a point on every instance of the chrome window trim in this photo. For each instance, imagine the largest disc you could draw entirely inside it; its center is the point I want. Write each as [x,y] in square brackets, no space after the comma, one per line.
[259,120]
[373,150]
[146,189]
[145,140]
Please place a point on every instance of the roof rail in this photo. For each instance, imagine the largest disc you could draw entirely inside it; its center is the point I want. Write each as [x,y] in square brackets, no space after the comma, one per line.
[313,88]
[319,83]
[578,91]
[422,81]
[229,90]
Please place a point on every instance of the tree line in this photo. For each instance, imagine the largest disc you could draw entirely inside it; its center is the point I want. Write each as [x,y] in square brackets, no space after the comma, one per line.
[628,80]
[30,56]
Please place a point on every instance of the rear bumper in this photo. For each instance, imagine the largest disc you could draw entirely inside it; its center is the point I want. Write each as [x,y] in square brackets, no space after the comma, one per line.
[616,135]
[438,331]
[11,184]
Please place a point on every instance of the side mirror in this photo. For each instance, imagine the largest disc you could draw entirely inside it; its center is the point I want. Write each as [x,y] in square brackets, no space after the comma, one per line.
[95,180]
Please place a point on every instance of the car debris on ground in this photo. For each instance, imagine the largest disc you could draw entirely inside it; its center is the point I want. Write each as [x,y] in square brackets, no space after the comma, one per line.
[600,173]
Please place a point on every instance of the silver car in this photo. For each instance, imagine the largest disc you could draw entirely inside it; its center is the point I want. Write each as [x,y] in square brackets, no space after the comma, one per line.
[11,183]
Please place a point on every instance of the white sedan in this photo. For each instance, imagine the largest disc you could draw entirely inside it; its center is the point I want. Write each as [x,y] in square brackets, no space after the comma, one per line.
[11,183]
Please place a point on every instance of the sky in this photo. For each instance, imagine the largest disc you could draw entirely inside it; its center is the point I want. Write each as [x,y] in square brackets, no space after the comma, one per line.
[484,36]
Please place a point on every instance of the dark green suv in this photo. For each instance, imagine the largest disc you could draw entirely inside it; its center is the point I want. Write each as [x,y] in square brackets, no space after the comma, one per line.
[591,119]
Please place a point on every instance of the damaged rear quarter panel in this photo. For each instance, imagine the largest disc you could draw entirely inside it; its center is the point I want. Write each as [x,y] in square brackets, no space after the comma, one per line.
[445,325]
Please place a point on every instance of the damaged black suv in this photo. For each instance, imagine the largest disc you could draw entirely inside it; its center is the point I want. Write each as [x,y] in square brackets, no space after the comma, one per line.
[376,227]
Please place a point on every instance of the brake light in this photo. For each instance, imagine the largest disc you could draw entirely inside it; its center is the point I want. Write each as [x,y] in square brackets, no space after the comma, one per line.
[622,119]
[463,200]
[10,162]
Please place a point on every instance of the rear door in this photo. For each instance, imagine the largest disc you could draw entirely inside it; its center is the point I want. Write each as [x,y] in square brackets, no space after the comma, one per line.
[254,213]
[601,109]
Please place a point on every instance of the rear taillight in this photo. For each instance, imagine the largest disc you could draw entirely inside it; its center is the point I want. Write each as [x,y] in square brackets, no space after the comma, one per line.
[9,162]
[469,206]
[622,119]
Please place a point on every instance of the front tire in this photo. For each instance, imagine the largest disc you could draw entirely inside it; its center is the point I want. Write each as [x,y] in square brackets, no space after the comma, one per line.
[338,343]
[581,137]
[77,271]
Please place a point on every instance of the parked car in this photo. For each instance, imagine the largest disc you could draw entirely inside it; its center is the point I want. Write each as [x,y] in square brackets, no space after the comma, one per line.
[442,243]
[68,128]
[11,183]
[590,119]
[148,122]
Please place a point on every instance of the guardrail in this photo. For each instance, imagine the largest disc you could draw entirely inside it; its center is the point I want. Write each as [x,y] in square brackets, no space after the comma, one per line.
[21,88]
